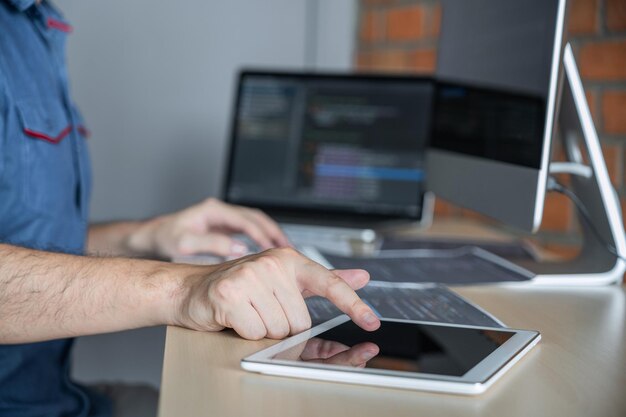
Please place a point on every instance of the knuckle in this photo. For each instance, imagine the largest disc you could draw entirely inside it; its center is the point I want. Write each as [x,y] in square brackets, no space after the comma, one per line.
[246,272]
[253,333]
[355,305]
[270,261]
[257,336]
[302,324]
[306,321]
[334,288]
[279,331]
[258,332]
[225,289]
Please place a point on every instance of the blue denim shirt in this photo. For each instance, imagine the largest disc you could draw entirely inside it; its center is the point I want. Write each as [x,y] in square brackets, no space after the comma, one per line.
[44,194]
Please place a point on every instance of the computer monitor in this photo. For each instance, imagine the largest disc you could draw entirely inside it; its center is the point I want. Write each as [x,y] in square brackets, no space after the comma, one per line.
[499,71]
[327,148]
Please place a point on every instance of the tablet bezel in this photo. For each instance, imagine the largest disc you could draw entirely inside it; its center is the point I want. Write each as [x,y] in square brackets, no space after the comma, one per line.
[475,381]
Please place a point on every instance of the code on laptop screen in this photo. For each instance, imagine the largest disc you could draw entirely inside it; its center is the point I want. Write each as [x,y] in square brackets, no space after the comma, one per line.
[353,144]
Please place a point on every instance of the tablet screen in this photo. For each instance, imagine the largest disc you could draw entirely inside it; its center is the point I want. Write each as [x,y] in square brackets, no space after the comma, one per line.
[395,346]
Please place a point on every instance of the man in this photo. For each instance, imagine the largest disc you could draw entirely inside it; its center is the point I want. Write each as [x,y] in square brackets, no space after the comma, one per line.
[49,293]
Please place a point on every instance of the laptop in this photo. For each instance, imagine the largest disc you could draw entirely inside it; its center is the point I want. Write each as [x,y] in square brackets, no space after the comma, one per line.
[332,157]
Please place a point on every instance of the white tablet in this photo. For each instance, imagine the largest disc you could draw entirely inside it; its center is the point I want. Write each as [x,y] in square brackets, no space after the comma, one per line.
[400,354]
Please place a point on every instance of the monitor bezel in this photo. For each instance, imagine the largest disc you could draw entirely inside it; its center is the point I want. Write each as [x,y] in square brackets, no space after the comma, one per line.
[331,215]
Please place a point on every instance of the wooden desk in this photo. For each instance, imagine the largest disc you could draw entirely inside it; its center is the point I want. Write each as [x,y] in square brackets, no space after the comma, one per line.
[578,369]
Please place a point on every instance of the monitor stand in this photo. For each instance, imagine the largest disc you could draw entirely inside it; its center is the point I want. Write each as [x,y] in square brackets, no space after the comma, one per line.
[590,181]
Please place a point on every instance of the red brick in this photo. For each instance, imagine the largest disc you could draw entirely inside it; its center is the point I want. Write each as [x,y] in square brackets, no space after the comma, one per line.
[604,60]
[583,17]
[363,60]
[392,60]
[423,61]
[556,213]
[371,26]
[405,23]
[614,112]
[385,60]
[616,15]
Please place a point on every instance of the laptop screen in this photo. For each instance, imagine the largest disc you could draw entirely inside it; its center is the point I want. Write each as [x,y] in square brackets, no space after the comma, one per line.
[330,143]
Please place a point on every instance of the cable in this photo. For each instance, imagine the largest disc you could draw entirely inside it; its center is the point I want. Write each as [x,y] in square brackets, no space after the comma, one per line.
[554,185]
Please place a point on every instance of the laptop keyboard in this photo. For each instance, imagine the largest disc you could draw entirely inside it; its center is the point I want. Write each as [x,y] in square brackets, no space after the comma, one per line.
[301,238]
[334,244]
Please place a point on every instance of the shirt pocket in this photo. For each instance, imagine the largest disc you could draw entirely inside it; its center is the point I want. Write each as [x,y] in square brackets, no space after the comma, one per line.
[49,181]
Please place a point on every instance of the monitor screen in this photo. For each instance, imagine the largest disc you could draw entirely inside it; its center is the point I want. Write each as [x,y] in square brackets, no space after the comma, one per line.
[502,51]
[488,123]
[331,143]
[498,68]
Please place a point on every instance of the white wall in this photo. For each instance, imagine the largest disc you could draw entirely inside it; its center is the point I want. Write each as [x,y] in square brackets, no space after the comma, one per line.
[154,80]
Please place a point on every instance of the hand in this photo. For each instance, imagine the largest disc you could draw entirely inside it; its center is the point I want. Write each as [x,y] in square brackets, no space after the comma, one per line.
[262,295]
[331,352]
[206,228]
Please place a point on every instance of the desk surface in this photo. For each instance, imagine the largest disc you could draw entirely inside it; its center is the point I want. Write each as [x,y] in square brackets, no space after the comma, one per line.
[578,369]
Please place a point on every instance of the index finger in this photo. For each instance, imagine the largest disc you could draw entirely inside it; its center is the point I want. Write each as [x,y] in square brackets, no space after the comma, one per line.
[270,227]
[235,220]
[320,281]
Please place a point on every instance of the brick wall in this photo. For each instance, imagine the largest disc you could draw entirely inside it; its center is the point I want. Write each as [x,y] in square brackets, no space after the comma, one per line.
[401,36]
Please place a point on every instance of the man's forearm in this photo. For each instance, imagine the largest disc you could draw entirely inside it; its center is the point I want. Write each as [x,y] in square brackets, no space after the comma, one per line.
[128,238]
[46,295]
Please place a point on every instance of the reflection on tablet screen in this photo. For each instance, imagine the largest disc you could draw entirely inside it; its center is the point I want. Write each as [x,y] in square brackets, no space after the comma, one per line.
[395,346]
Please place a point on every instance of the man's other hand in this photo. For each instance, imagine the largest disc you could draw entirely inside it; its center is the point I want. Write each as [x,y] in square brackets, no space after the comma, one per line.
[207,227]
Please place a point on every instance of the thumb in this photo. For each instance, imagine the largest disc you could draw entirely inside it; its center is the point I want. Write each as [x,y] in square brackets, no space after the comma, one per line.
[355,278]
[214,243]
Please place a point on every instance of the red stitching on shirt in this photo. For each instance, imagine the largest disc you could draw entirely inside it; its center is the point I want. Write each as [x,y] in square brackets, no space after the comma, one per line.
[83,131]
[58,25]
[48,138]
